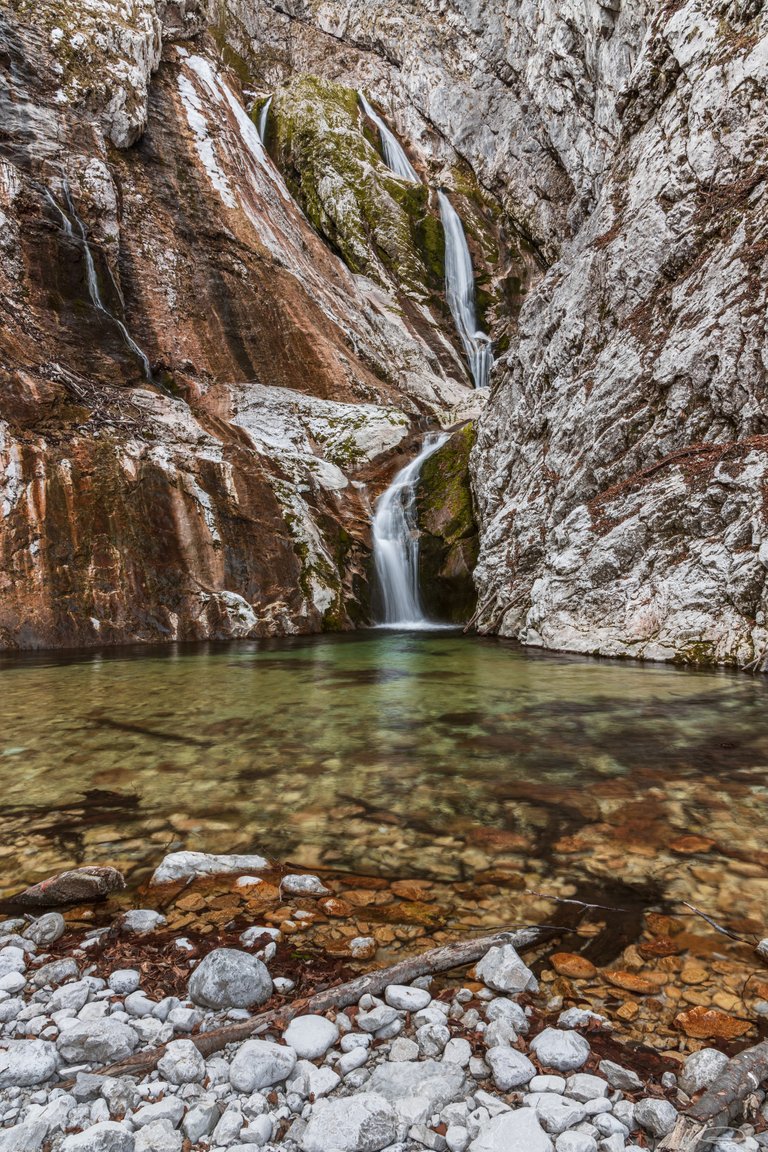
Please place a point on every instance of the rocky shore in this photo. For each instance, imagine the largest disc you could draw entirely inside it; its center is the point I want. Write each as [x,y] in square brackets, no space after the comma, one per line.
[484,1061]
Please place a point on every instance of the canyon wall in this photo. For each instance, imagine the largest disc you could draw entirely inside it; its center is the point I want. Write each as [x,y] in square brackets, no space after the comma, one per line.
[608,160]
[620,469]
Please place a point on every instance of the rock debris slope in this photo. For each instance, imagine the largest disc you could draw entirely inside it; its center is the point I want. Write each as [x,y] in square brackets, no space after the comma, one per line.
[608,160]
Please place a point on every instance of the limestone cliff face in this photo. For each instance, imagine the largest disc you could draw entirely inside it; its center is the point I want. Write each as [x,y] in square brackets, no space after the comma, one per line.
[621,465]
[608,160]
[193,386]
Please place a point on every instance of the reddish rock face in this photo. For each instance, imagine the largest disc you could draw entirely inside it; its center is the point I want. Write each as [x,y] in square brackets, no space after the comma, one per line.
[216,498]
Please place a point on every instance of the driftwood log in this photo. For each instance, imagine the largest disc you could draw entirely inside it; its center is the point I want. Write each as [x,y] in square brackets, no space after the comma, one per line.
[456,955]
[723,1103]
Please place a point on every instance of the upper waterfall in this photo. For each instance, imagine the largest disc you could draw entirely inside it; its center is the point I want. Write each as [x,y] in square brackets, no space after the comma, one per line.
[396,544]
[261,126]
[460,293]
[394,154]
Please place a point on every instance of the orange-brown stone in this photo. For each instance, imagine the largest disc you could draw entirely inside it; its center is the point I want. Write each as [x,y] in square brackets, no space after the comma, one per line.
[333,906]
[690,845]
[710,1024]
[659,946]
[633,982]
[573,965]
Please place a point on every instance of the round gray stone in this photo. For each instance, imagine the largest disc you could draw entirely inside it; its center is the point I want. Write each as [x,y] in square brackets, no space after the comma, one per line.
[228,978]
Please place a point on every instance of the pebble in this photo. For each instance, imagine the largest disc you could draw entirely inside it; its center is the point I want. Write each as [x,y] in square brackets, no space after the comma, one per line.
[105,1137]
[181,1063]
[512,1130]
[124,981]
[299,885]
[97,1042]
[142,920]
[407,999]
[657,1117]
[260,1064]
[27,1062]
[619,1077]
[510,1068]
[311,1036]
[561,1049]
[46,929]
[362,1123]
[701,1069]
[502,970]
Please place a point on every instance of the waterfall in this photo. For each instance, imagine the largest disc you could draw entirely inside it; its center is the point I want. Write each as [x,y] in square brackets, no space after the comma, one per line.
[78,233]
[394,156]
[261,126]
[396,543]
[460,293]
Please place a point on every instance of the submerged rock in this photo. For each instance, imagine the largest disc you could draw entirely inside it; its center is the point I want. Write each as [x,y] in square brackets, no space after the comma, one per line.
[183,865]
[78,886]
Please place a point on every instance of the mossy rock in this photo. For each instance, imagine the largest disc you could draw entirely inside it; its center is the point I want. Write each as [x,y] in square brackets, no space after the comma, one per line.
[381,226]
[449,540]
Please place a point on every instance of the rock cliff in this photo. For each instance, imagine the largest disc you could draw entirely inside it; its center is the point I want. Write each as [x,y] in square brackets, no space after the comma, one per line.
[608,162]
[620,468]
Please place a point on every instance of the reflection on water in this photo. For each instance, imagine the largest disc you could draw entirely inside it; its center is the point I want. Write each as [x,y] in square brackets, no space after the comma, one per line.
[430,755]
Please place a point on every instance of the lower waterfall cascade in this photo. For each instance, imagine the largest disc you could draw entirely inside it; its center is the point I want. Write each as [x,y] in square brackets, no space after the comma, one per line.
[396,545]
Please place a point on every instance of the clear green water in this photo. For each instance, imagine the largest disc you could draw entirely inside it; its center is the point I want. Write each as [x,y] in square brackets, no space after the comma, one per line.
[396,754]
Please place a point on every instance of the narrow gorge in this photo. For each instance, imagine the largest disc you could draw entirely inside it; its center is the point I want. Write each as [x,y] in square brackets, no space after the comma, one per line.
[235,290]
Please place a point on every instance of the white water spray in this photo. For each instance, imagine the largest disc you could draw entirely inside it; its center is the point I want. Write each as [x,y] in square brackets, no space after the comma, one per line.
[394,155]
[261,126]
[396,544]
[460,294]
[78,232]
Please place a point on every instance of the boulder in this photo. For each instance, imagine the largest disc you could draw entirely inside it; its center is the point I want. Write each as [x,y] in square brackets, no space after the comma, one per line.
[512,1131]
[259,1064]
[418,1088]
[105,1137]
[229,978]
[78,886]
[365,1122]
[502,969]
[182,865]
[26,1062]
[97,1042]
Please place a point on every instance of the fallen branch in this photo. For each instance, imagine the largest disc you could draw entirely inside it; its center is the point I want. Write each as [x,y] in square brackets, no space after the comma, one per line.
[456,955]
[723,1102]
